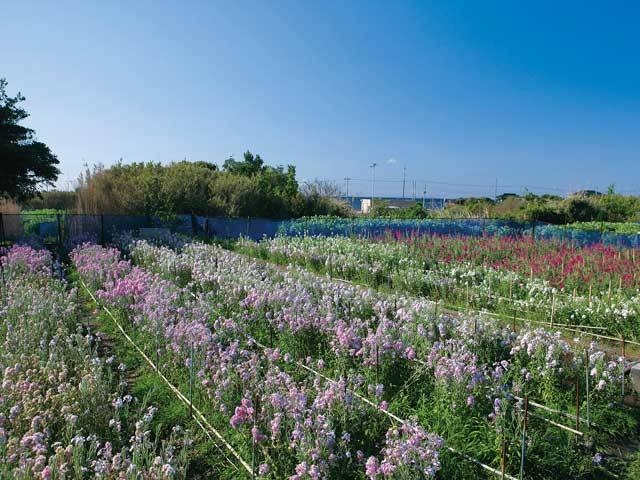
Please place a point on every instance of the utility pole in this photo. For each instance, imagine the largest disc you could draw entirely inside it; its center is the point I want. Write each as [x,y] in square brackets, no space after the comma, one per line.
[346,179]
[424,194]
[346,195]
[495,192]
[414,190]
[404,177]
[373,180]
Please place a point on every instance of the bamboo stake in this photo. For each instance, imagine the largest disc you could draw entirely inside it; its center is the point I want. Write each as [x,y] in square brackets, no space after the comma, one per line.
[377,365]
[503,454]
[523,443]
[586,382]
[622,367]
[158,346]
[253,440]
[191,381]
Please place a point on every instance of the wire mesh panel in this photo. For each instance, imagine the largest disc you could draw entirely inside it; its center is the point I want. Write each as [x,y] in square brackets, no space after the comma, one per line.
[36,229]
[79,229]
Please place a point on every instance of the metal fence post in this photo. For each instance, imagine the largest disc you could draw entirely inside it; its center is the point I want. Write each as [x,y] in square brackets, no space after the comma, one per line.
[533,230]
[59,231]
[102,229]
[2,235]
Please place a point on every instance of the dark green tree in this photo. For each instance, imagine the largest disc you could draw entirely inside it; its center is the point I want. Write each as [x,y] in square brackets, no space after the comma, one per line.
[25,163]
[250,166]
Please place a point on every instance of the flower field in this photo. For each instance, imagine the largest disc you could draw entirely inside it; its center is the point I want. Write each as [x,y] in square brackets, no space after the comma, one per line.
[596,287]
[303,376]
[66,412]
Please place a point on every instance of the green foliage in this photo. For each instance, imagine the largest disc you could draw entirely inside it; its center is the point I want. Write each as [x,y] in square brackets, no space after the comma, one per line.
[543,212]
[251,165]
[26,163]
[247,188]
[586,206]
[382,208]
[633,472]
[53,199]
[581,209]
[626,228]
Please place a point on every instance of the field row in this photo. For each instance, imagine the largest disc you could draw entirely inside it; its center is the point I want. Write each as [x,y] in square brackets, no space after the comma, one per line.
[66,411]
[498,275]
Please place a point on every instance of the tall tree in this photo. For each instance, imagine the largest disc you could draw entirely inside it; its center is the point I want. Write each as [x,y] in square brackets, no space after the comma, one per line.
[250,166]
[25,163]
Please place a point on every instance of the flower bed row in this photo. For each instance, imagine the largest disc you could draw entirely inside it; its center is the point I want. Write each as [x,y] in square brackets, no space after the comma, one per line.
[402,267]
[66,412]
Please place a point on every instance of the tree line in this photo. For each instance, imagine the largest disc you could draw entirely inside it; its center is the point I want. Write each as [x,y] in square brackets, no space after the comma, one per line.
[239,188]
[584,206]
[242,188]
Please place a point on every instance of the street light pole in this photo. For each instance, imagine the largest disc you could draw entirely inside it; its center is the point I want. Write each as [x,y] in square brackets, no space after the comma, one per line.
[373,181]
[404,178]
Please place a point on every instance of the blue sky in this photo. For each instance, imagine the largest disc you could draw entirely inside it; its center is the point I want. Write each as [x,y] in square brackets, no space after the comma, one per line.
[461,93]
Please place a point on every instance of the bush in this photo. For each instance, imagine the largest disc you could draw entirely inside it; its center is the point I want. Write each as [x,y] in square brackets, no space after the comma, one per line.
[581,209]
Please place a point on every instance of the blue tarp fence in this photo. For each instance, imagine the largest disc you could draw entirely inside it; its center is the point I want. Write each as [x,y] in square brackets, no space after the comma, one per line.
[67,230]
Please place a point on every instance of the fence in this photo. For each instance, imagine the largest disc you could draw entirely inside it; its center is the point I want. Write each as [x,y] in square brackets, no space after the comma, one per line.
[65,230]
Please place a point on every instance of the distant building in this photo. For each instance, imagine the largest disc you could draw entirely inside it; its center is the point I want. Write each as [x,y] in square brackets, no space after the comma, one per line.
[363,204]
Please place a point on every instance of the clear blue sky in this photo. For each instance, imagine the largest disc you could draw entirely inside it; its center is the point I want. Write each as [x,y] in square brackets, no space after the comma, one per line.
[543,95]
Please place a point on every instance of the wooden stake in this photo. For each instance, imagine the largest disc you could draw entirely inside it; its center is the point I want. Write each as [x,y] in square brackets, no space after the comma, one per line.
[577,403]
[553,309]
